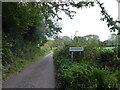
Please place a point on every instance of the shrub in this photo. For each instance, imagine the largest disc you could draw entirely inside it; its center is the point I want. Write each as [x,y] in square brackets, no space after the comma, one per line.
[62,51]
[83,75]
[103,78]
[119,52]
[106,56]
[91,53]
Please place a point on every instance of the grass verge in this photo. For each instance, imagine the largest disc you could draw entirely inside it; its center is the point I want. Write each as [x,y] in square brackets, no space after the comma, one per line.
[19,64]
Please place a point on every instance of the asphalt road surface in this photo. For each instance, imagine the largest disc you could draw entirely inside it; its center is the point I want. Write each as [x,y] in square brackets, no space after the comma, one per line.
[38,75]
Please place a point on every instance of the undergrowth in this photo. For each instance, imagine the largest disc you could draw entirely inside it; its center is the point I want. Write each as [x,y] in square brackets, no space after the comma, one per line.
[72,74]
[19,64]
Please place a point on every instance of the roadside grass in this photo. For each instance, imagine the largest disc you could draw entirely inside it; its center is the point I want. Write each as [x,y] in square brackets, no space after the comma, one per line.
[19,64]
[16,67]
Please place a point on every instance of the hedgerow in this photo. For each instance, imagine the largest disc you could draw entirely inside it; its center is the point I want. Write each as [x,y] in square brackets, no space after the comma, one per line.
[83,74]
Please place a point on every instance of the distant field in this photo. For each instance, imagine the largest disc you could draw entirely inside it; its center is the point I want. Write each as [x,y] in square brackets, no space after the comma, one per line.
[110,48]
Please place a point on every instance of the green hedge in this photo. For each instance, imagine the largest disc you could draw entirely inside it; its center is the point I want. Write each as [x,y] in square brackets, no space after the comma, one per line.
[77,75]
[83,75]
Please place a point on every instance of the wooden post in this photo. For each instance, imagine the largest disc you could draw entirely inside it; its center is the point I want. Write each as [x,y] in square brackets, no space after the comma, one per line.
[72,55]
[76,49]
[79,55]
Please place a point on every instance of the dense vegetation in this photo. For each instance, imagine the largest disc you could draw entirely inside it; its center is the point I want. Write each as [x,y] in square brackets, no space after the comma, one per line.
[26,27]
[97,67]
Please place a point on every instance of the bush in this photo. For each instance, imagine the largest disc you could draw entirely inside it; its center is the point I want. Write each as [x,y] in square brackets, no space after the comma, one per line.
[7,56]
[62,51]
[103,78]
[83,75]
[108,58]
[91,53]
[86,73]
[118,51]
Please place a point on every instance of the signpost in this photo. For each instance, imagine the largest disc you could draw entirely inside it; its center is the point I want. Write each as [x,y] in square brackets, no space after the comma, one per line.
[75,49]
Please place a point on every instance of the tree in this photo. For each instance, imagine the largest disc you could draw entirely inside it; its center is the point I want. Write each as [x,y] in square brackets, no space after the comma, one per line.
[92,39]
[30,23]
[112,25]
[25,25]
[113,38]
[65,39]
[57,42]
[77,40]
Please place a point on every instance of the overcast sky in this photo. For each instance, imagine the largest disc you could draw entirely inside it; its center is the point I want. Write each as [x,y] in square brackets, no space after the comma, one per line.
[87,21]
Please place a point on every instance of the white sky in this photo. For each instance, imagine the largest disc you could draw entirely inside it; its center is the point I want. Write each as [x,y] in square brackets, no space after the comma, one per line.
[87,21]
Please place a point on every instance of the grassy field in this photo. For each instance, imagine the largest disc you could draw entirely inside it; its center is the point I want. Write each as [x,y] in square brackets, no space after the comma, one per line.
[109,48]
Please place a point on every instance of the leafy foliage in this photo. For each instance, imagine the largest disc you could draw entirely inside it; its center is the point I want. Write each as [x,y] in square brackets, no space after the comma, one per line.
[98,68]
[110,22]
[74,75]
[26,24]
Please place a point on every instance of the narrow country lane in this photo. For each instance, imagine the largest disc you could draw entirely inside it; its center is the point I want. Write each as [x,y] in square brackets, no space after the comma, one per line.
[38,75]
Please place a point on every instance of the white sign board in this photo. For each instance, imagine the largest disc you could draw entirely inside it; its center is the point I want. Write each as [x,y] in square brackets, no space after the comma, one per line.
[76,49]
